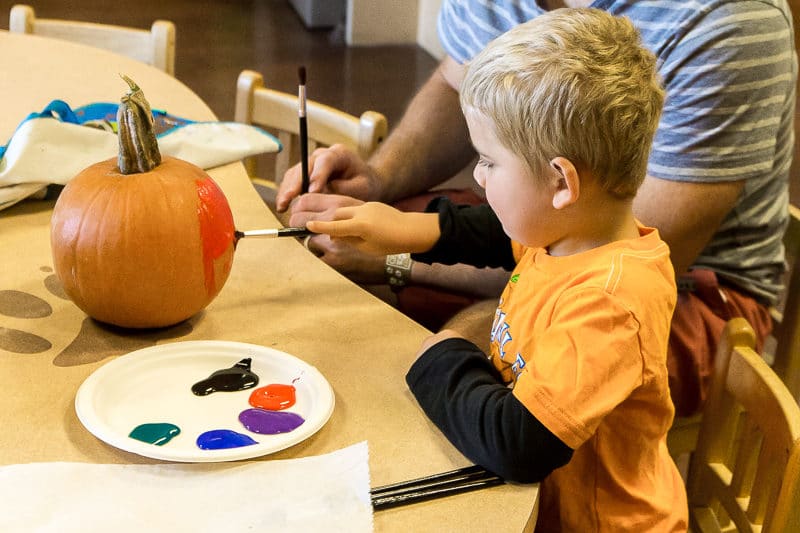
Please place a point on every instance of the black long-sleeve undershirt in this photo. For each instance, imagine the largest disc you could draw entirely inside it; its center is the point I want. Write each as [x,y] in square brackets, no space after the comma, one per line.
[463,394]
[469,234]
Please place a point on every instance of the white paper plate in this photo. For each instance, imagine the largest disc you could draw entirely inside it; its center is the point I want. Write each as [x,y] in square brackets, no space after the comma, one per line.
[153,385]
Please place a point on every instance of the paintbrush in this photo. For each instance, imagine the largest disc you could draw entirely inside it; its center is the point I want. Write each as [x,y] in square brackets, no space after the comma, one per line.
[271,232]
[301,113]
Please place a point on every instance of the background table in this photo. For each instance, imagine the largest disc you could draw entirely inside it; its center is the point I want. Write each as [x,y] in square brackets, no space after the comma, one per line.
[278,295]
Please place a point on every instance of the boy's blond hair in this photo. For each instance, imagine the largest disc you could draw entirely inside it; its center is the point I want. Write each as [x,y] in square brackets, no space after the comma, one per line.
[575,83]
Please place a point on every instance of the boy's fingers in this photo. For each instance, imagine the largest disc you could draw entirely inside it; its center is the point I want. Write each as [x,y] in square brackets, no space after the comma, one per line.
[336,228]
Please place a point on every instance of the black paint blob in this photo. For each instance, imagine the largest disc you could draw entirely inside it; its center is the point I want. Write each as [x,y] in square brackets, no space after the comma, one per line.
[236,378]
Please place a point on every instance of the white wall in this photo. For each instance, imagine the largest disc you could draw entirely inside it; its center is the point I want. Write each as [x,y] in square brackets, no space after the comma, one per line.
[371,22]
[427,37]
[381,22]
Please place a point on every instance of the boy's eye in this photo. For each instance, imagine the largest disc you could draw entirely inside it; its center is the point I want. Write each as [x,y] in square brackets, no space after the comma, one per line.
[485,163]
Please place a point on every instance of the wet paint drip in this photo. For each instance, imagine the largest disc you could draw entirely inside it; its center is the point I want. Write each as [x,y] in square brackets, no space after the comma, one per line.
[236,378]
[273,397]
[156,433]
[216,227]
[221,439]
[270,422]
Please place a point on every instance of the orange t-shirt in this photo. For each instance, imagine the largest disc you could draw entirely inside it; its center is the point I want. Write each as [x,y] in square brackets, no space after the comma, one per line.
[584,338]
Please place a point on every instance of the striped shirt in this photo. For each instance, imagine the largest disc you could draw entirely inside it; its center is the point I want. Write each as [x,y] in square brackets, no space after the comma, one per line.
[729,69]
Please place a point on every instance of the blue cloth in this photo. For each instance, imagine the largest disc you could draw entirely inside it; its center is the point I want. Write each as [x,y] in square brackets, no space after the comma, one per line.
[100,115]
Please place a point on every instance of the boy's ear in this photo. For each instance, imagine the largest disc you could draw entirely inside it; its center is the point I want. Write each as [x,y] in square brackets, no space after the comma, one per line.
[568,186]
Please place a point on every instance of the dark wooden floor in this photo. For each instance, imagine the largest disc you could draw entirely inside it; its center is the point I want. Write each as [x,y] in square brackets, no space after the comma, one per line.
[217,39]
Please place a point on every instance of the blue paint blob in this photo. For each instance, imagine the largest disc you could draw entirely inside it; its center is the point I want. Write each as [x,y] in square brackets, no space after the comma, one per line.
[220,439]
[156,433]
[236,378]
[270,422]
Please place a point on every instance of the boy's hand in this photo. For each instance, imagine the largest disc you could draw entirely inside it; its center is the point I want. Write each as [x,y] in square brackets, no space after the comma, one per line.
[378,228]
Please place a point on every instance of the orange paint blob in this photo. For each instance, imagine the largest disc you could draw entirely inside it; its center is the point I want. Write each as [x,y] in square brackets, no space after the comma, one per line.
[273,397]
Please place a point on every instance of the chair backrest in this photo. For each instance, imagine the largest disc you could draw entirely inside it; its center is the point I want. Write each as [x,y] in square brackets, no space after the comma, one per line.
[276,112]
[786,316]
[746,468]
[155,47]
[782,350]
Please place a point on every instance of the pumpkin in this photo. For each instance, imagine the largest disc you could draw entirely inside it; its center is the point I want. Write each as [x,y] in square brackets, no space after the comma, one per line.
[138,241]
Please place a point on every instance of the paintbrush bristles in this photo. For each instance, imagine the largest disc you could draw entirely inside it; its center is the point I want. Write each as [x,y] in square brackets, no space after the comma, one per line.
[301,74]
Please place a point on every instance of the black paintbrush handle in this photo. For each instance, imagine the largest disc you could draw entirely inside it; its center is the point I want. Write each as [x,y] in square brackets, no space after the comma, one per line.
[294,232]
[457,475]
[301,113]
[304,154]
[385,502]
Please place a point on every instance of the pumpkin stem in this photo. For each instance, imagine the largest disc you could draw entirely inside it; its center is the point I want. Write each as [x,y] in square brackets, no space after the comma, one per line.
[138,147]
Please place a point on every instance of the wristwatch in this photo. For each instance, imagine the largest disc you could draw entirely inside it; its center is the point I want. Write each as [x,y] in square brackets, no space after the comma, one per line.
[398,270]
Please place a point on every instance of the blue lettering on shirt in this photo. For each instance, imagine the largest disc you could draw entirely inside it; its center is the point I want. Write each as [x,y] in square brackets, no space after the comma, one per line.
[518,365]
[500,336]
[500,333]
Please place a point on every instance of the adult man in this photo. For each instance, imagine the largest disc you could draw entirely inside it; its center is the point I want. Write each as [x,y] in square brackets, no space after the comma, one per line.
[717,184]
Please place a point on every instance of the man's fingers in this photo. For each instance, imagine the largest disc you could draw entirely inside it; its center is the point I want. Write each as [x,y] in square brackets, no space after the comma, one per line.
[322,163]
[320,203]
[289,188]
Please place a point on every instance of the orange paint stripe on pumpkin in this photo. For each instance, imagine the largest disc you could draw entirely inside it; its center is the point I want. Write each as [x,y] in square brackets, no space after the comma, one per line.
[216,226]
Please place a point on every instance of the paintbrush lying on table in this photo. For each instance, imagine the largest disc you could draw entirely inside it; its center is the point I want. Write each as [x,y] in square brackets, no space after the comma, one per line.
[270,233]
[435,486]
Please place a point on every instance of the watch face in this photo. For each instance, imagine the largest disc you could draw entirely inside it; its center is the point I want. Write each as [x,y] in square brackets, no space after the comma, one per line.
[398,270]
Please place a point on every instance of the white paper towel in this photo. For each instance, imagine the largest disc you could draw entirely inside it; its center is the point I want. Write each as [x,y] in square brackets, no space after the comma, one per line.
[323,493]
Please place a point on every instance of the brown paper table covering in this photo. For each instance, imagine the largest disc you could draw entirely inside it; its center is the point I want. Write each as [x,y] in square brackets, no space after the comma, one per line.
[278,295]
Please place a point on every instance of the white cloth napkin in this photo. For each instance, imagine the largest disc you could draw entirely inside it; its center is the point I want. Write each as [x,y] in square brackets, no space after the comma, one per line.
[47,150]
[324,493]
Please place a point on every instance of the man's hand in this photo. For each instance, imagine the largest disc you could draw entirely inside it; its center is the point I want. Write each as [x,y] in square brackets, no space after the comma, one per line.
[318,206]
[358,266]
[336,170]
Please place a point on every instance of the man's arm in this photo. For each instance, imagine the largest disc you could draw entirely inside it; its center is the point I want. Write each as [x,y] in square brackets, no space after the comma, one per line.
[686,214]
[431,142]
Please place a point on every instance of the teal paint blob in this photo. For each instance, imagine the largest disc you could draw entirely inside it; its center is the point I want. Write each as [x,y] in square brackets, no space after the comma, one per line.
[220,439]
[157,433]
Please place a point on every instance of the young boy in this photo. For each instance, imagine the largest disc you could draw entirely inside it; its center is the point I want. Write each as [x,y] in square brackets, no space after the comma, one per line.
[562,111]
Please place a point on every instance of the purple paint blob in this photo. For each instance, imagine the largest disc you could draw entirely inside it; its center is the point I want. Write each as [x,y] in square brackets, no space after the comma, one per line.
[270,422]
[220,439]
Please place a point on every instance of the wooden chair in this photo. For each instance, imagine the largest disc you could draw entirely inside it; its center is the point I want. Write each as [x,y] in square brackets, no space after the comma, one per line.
[785,352]
[276,112]
[782,351]
[745,473]
[155,47]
